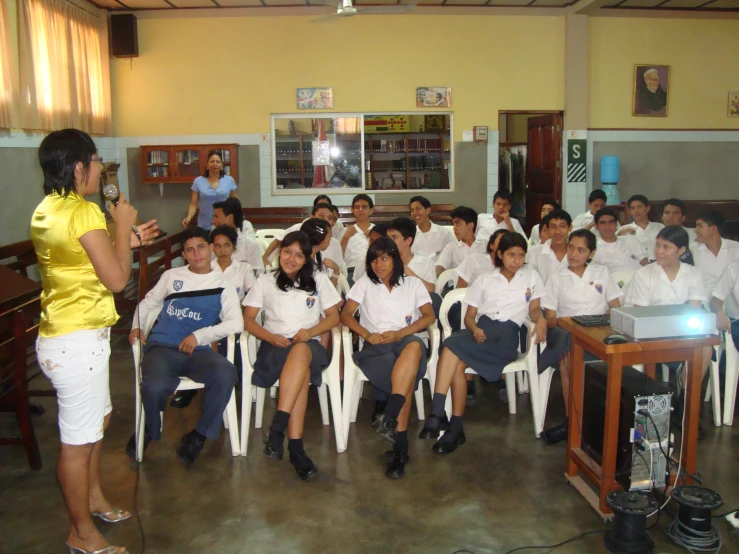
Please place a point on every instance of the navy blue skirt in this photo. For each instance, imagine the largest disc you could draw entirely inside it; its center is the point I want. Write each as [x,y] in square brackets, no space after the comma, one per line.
[271,360]
[377,361]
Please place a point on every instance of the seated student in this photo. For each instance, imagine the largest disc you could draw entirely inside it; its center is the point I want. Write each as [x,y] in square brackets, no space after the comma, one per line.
[319,234]
[355,242]
[596,200]
[551,256]
[487,224]
[713,254]
[725,302]
[546,207]
[292,299]
[614,252]
[392,309]
[674,212]
[229,212]
[464,221]
[582,288]
[403,232]
[430,238]
[498,305]
[378,230]
[337,228]
[196,306]
[644,230]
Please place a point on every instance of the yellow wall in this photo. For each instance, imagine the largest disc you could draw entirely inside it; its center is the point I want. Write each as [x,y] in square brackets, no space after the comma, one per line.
[226,75]
[704,68]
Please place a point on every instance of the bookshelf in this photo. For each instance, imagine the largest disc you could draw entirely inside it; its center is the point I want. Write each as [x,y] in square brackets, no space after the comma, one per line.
[294,158]
[182,163]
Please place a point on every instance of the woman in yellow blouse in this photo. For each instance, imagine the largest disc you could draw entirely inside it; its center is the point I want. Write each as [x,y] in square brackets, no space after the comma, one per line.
[80,269]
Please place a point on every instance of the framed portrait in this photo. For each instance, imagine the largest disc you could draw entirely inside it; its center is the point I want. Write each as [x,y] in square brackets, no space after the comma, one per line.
[733,110]
[651,90]
[434,122]
[433,97]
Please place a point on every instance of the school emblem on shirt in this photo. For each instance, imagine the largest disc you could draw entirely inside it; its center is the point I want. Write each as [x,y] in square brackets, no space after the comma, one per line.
[528,295]
[177,285]
[238,290]
[599,288]
[408,319]
[310,301]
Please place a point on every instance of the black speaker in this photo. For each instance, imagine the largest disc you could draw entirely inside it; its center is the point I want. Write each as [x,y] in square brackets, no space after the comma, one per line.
[124,40]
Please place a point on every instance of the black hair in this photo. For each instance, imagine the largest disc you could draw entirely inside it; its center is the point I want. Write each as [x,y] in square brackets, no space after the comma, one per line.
[381,246]
[551,202]
[59,154]
[421,200]
[317,229]
[232,206]
[676,235]
[322,199]
[468,215]
[364,197]
[320,206]
[605,211]
[638,198]
[335,209]
[194,233]
[214,153]
[380,229]
[557,214]
[304,279]
[405,226]
[713,218]
[508,241]
[589,236]
[597,194]
[494,237]
[503,195]
[677,203]
[225,230]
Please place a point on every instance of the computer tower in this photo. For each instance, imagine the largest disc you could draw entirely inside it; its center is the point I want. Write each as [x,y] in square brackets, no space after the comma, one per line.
[643,430]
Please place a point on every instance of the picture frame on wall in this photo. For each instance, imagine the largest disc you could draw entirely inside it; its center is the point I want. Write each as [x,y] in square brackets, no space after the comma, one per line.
[315,98]
[480,133]
[651,90]
[433,97]
[733,109]
[434,122]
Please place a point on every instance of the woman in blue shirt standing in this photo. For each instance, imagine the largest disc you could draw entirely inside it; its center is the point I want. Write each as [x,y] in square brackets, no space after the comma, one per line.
[214,186]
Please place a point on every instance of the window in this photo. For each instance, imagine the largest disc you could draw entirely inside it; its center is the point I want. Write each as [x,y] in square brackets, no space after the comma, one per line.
[8,73]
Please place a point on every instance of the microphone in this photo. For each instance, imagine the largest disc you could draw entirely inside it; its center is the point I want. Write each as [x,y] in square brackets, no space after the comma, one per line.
[111,193]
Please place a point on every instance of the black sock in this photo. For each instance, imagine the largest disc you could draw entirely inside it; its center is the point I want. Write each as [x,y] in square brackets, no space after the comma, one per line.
[456,424]
[401,441]
[279,422]
[471,387]
[437,404]
[394,405]
[295,447]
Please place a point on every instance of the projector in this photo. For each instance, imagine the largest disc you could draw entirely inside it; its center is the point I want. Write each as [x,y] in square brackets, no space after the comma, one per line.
[658,322]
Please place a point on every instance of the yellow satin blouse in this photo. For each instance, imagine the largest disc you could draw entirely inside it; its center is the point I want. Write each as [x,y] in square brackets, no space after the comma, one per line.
[73,299]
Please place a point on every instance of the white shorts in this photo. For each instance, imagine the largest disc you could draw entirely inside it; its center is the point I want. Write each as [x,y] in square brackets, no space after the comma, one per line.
[77,366]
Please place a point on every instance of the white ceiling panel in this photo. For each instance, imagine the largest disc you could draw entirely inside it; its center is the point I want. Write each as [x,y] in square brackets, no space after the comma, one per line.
[285,2]
[509,2]
[192,3]
[683,3]
[724,4]
[138,4]
[236,3]
[466,2]
[640,3]
[109,4]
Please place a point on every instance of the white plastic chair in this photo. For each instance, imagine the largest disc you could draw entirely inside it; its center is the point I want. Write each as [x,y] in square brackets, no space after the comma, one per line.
[344,270]
[730,381]
[623,279]
[445,277]
[330,380]
[269,234]
[230,417]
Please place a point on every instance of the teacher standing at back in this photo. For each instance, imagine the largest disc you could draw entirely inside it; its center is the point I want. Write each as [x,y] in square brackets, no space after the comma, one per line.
[213,186]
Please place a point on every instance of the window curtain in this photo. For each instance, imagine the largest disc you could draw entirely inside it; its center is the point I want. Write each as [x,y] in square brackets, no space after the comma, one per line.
[8,73]
[64,77]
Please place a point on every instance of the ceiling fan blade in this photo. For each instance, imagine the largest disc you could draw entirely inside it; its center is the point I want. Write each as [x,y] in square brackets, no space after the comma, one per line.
[396,8]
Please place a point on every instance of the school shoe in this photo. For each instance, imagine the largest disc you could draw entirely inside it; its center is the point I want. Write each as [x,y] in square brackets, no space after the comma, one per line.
[131,446]
[274,445]
[183,398]
[556,434]
[189,448]
[433,427]
[395,468]
[385,426]
[304,466]
[379,409]
[449,445]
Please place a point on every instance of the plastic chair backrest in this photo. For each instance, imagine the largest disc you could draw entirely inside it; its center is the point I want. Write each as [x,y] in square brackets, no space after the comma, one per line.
[456,295]
[342,285]
[269,233]
[445,277]
[623,278]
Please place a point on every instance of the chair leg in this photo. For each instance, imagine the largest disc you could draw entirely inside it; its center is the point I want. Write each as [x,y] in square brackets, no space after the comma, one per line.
[732,375]
[333,388]
[273,392]
[231,416]
[714,387]
[140,431]
[225,421]
[323,402]
[419,401]
[259,413]
[510,384]
[545,382]
[535,401]
[356,395]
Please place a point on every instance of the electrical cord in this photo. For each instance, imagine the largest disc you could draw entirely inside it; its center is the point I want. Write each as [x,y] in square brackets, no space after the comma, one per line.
[692,540]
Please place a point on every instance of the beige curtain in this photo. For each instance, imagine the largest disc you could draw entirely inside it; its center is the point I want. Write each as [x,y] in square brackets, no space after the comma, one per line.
[8,73]
[64,79]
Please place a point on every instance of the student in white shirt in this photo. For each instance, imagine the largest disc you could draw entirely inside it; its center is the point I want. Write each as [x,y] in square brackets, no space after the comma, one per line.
[229,212]
[355,241]
[674,212]
[240,274]
[402,231]
[641,228]
[464,221]
[713,254]
[546,207]
[377,231]
[337,228]
[582,288]
[392,309]
[614,252]
[430,238]
[551,256]
[596,200]
[499,302]
[319,233]
[501,218]
[292,299]
[725,302]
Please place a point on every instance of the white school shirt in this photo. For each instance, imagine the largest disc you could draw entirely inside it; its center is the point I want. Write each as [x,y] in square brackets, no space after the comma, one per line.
[570,295]
[487,225]
[248,229]
[338,230]
[247,250]
[356,247]
[535,240]
[626,253]
[239,274]
[727,290]
[279,235]
[543,259]
[333,252]
[433,242]
[287,312]
[424,267]
[454,254]
[382,310]
[712,267]
[474,266]
[651,287]
[502,300]
[583,220]
[646,237]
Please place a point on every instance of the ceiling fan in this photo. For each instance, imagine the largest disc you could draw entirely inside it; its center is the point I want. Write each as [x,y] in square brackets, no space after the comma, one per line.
[346,9]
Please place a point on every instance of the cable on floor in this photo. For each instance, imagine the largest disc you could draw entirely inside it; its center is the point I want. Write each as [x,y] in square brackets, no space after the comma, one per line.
[542,547]
[693,540]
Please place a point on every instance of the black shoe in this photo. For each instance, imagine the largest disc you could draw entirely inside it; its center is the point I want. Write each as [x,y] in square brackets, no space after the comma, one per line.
[189,448]
[385,427]
[273,445]
[390,453]
[395,468]
[434,425]
[379,409]
[131,446]
[304,466]
[448,446]
[183,398]
[556,434]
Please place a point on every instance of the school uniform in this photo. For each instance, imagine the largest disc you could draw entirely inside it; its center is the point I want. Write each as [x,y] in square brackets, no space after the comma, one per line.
[286,313]
[454,254]
[502,306]
[338,230]
[487,225]
[651,287]
[247,251]
[583,220]
[381,310]
[424,267]
[474,266]
[647,237]
[625,253]
[333,252]
[432,242]
[535,240]
[712,267]
[543,259]
[248,229]
[356,248]
[239,274]
[727,290]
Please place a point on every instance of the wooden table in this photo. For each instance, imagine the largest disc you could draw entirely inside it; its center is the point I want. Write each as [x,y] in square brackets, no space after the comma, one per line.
[649,353]
[16,289]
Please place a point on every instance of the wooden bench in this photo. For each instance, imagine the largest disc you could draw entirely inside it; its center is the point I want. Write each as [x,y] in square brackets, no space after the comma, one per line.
[18,256]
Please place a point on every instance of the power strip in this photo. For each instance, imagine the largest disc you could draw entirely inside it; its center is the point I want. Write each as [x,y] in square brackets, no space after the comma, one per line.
[733,519]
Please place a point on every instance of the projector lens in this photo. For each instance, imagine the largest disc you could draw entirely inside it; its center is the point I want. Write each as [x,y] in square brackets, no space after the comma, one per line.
[694,323]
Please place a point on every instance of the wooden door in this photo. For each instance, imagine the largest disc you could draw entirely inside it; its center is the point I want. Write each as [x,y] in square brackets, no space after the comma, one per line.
[543,164]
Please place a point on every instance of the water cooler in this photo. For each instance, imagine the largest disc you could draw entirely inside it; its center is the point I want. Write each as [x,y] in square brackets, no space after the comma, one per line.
[609,167]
